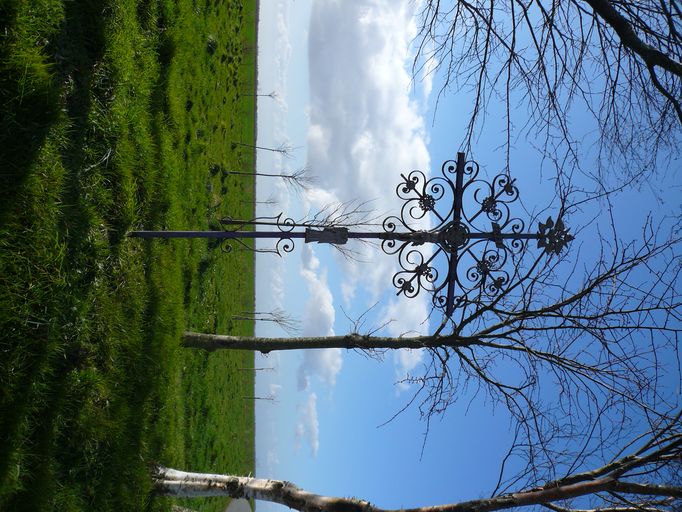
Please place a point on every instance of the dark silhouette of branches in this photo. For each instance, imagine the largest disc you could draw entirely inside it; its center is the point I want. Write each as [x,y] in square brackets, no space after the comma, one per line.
[594,339]
[619,61]
[345,214]
[646,479]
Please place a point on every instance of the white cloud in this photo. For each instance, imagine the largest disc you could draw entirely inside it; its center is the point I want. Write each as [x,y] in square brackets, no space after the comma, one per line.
[307,426]
[276,40]
[320,198]
[271,461]
[283,55]
[324,363]
[365,129]
[347,292]
[318,312]
[318,320]
[277,284]
[272,115]
[428,73]
[407,318]
[274,390]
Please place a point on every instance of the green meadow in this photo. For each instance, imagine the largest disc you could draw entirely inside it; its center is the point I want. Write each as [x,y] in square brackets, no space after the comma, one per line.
[115,116]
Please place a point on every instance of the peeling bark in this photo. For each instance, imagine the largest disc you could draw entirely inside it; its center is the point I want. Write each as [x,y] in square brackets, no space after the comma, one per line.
[350,341]
[628,484]
[171,482]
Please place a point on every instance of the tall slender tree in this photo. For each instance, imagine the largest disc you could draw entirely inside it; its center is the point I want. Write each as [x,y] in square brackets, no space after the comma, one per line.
[647,479]
[283,149]
[578,336]
[300,179]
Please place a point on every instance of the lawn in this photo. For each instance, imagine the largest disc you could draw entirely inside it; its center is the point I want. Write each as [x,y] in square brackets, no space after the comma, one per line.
[115,115]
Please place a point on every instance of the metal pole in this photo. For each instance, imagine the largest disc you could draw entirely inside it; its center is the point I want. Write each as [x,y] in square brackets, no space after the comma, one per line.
[215,234]
[401,237]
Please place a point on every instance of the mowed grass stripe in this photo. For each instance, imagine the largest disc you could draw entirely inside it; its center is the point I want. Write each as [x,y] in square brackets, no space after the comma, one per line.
[112,115]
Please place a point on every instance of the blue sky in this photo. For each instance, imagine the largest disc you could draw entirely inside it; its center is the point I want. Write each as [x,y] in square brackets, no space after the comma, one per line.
[348,104]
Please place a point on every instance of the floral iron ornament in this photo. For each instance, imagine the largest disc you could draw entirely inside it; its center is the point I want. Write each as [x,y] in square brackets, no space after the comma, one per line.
[553,237]
[477,242]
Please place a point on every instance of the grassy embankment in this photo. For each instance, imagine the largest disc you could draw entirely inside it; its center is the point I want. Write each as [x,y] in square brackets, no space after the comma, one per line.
[112,117]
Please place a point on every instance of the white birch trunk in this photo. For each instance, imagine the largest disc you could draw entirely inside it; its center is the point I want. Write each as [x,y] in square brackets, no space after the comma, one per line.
[350,341]
[182,484]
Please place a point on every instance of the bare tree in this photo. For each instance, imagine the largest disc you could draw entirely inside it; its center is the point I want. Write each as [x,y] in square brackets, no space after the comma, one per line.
[277,316]
[269,398]
[272,94]
[301,179]
[333,216]
[345,214]
[270,201]
[619,61]
[283,149]
[578,335]
[644,480]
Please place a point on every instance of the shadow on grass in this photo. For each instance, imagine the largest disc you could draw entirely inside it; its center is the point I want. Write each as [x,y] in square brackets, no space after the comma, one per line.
[32,402]
[29,104]
[158,204]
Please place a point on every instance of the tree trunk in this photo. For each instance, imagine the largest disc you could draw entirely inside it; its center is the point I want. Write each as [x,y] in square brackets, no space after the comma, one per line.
[349,341]
[171,482]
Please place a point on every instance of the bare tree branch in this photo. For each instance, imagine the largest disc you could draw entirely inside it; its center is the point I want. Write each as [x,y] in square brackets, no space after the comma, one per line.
[612,488]
[542,61]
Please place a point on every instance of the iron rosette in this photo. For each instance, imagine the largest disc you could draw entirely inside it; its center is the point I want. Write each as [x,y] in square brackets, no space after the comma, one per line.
[479,275]
[485,276]
[486,202]
[490,211]
[285,244]
[424,198]
[416,272]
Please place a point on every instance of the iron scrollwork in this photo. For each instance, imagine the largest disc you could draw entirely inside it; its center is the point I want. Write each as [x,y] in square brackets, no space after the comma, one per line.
[477,241]
[284,226]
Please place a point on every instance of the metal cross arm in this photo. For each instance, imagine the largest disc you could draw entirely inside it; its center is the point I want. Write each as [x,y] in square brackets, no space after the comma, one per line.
[474,231]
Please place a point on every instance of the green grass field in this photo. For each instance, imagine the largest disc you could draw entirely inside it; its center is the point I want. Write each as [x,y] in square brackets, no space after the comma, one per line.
[116,115]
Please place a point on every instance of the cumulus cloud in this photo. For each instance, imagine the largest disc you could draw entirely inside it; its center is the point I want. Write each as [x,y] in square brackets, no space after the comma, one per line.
[318,320]
[283,55]
[428,72]
[276,40]
[274,390]
[318,312]
[277,284]
[365,128]
[271,461]
[307,426]
[323,363]
[406,318]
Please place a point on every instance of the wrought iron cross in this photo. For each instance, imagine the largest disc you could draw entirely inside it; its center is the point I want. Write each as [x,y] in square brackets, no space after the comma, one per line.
[479,242]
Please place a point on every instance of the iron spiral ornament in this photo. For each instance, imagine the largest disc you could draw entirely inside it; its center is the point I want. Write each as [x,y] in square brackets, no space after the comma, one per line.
[473,231]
